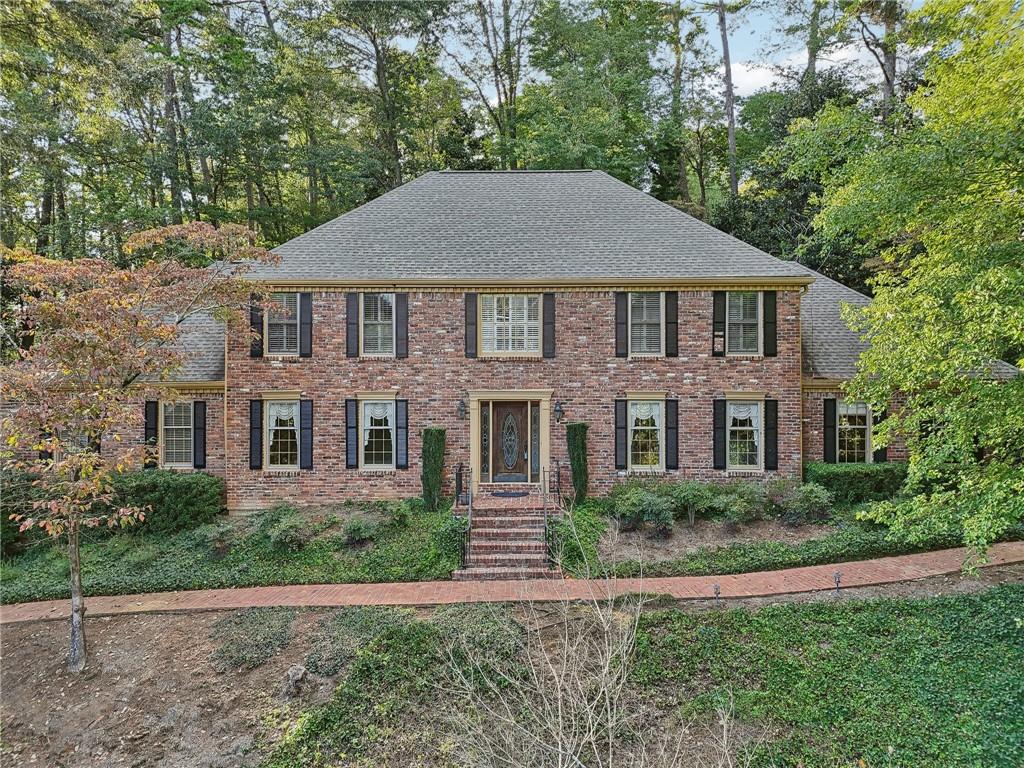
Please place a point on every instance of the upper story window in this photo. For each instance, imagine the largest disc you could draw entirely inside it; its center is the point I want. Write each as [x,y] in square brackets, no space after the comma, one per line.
[853,433]
[646,330]
[743,326]
[176,440]
[378,425]
[283,434]
[743,420]
[645,435]
[283,324]
[378,316]
[510,324]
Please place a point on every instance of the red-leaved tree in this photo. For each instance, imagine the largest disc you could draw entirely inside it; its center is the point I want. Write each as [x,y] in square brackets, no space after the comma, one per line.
[95,340]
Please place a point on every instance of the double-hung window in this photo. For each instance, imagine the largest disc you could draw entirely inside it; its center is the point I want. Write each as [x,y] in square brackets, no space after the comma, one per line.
[510,324]
[176,445]
[283,324]
[853,433]
[646,425]
[282,434]
[378,336]
[378,427]
[743,420]
[743,326]
[646,330]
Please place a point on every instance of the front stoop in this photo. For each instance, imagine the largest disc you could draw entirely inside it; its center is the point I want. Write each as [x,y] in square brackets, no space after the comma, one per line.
[506,540]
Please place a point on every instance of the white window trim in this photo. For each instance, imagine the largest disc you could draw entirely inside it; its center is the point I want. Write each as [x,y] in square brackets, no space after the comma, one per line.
[760,326]
[511,353]
[362,332]
[759,467]
[191,430]
[267,427]
[645,468]
[629,326]
[373,399]
[869,454]
[298,330]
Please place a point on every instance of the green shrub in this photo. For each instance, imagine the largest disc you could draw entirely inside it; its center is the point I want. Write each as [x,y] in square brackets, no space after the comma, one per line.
[808,503]
[692,499]
[358,531]
[18,493]
[739,502]
[449,537]
[856,483]
[433,466]
[575,538]
[250,637]
[341,634]
[176,500]
[576,436]
[284,529]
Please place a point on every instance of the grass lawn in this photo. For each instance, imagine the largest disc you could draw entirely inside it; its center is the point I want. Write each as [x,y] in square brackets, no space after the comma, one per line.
[230,553]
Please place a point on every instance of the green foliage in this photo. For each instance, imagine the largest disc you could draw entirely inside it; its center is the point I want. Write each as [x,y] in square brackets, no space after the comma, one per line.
[692,499]
[433,466]
[576,535]
[233,553]
[637,504]
[739,502]
[856,483]
[358,531]
[449,538]
[797,503]
[341,634]
[284,529]
[18,494]
[928,683]
[576,437]
[248,638]
[176,500]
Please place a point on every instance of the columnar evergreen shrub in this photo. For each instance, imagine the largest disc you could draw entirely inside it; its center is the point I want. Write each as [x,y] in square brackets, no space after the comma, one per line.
[433,466]
[176,500]
[856,483]
[576,436]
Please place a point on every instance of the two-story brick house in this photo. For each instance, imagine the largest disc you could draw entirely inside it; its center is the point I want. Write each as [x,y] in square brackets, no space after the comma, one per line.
[501,306]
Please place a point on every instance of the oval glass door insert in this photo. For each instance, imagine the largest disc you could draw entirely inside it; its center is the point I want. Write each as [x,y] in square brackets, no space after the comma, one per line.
[510,441]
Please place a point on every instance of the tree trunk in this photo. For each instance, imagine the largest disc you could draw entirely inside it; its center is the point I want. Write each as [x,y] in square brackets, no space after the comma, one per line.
[813,40]
[510,78]
[683,177]
[76,652]
[891,11]
[730,101]
[171,129]
[388,110]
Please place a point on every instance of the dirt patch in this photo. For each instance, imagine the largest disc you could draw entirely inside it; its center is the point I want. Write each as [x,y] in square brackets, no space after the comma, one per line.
[618,546]
[150,696]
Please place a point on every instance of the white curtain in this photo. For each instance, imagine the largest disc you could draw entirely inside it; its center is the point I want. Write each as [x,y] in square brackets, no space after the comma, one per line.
[377,411]
[280,413]
[744,411]
[646,410]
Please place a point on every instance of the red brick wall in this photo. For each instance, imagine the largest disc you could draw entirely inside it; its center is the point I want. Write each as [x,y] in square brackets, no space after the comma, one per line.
[585,375]
[814,427]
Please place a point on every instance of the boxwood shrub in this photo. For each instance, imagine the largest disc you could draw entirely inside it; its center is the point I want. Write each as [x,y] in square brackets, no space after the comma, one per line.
[856,483]
[177,500]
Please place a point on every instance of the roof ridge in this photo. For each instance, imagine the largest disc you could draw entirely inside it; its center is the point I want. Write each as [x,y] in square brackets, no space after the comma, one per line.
[520,171]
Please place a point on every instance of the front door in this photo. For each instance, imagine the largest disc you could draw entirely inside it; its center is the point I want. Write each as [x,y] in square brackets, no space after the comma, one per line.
[510,444]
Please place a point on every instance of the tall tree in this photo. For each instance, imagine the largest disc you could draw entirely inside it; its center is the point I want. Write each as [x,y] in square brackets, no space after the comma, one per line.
[722,9]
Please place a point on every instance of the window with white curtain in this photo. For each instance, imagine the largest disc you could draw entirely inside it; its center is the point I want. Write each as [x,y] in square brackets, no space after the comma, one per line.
[378,424]
[283,324]
[743,327]
[853,433]
[283,434]
[645,434]
[176,449]
[744,423]
[510,323]
[645,325]
[378,324]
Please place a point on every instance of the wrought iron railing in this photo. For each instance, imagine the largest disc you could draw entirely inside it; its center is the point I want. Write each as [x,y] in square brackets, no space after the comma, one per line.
[467,530]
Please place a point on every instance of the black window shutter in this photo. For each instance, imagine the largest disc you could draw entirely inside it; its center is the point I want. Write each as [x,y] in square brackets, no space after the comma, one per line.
[351,434]
[305,434]
[882,454]
[771,434]
[152,433]
[621,325]
[672,324]
[401,325]
[471,332]
[199,434]
[401,434]
[352,325]
[96,443]
[718,325]
[305,325]
[45,455]
[621,434]
[549,325]
[829,437]
[255,327]
[255,434]
[719,434]
[771,345]
[671,434]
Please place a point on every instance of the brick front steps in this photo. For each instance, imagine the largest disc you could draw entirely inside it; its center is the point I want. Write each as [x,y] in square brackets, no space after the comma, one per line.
[814,578]
[506,540]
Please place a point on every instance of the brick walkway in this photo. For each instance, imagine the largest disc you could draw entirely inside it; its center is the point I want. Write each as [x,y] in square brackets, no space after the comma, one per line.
[864,573]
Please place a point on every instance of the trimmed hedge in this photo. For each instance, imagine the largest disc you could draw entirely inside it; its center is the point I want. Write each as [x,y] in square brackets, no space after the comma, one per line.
[177,500]
[856,483]
[576,436]
[433,466]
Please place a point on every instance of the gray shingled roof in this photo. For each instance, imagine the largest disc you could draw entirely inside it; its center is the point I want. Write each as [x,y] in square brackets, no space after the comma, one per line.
[517,225]
[202,339]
